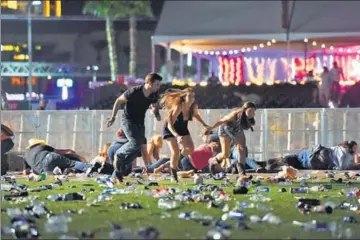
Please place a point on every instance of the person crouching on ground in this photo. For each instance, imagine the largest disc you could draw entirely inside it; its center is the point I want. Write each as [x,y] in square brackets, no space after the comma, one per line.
[231,129]
[7,136]
[41,157]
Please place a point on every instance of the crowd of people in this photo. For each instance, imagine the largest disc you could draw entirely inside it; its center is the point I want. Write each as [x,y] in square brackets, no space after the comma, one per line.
[223,150]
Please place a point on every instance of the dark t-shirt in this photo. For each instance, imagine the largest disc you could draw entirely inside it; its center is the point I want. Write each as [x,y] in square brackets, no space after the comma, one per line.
[35,155]
[137,104]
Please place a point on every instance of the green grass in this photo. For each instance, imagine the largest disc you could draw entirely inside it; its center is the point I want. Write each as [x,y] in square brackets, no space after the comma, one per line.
[98,217]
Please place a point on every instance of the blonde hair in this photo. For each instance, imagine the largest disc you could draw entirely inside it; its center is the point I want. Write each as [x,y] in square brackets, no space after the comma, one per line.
[104,151]
[173,98]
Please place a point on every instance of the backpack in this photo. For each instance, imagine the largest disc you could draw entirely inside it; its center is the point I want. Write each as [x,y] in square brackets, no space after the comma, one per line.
[320,158]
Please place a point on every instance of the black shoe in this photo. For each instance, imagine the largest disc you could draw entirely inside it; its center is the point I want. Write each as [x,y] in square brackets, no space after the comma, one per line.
[260,170]
[241,169]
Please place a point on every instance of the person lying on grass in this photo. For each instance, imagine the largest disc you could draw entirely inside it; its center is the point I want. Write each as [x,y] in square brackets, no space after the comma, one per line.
[341,157]
[40,157]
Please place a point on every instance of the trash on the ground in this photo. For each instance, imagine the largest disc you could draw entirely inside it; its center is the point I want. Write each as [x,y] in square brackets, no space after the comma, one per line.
[234,214]
[350,219]
[217,234]
[262,189]
[317,226]
[66,197]
[198,179]
[167,204]
[240,190]
[148,233]
[57,224]
[130,206]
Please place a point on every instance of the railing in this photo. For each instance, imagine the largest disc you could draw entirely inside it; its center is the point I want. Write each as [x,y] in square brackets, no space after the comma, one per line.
[277,131]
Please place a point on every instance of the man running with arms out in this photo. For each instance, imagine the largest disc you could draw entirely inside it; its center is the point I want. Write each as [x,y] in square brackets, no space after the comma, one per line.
[137,100]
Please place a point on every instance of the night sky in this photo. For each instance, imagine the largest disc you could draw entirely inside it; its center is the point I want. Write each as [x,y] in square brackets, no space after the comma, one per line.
[75,7]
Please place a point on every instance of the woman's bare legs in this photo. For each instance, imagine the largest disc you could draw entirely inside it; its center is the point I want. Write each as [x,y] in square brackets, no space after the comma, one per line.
[174,158]
[225,153]
[188,145]
[241,147]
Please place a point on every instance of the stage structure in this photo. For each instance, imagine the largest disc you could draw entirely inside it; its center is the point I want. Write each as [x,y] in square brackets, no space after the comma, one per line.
[227,34]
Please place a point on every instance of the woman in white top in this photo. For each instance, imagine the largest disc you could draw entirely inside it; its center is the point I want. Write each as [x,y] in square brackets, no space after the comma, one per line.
[325,87]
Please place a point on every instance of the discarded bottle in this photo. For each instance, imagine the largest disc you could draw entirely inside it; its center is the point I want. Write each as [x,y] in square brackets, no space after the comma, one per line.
[284,183]
[217,234]
[57,224]
[323,209]
[259,198]
[271,218]
[234,214]
[245,205]
[350,219]
[263,189]
[167,204]
[13,212]
[255,219]
[42,176]
[317,226]
[299,190]
[6,187]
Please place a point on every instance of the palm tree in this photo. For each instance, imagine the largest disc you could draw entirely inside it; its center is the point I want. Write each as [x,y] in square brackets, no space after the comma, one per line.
[116,9]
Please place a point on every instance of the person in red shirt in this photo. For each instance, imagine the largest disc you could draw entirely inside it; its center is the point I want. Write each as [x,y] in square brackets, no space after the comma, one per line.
[199,158]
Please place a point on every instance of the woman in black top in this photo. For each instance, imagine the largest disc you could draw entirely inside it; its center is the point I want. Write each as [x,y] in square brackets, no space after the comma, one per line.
[181,108]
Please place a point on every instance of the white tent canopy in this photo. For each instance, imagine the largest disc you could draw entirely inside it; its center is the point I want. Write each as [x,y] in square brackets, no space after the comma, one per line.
[251,21]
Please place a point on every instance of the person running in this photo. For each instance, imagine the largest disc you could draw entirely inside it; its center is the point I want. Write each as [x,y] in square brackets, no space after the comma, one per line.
[181,108]
[231,128]
[137,100]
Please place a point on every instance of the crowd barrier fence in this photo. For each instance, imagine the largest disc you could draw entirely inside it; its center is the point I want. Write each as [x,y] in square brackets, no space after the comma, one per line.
[277,131]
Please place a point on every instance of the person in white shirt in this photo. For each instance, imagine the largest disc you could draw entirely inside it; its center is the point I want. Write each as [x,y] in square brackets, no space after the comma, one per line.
[336,75]
[325,87]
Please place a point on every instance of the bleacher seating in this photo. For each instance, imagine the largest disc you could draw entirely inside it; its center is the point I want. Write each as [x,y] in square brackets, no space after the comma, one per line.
[218,96]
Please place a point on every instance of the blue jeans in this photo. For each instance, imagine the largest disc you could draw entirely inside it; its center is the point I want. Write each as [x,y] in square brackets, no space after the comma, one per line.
[304,158]
[248,161]
[158,163]
[185,164]
[112,150]
[135,133]
[53,160]
[82,166]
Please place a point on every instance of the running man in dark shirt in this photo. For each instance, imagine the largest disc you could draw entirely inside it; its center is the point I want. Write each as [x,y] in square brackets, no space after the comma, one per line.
[137,100]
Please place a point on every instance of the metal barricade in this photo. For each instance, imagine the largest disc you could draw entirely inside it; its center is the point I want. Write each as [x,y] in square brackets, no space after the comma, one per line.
[277,131]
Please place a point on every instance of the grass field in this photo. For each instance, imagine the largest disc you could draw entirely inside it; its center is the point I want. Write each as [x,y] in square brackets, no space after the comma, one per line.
[99,216]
